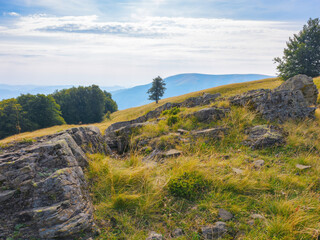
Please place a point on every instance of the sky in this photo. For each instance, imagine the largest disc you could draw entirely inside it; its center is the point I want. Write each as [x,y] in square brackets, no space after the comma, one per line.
[130,42]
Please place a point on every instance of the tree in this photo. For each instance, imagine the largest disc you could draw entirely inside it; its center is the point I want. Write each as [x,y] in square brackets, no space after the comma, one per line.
[157,89]
[302,55]
[10,117]
[39,111]
[84,104]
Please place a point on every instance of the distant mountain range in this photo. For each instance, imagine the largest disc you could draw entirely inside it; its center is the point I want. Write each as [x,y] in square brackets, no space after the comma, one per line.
[136,96]
[12,91]
[179,84]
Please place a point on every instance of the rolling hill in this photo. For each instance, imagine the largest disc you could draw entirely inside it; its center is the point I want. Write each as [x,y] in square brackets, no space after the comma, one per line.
[179,84]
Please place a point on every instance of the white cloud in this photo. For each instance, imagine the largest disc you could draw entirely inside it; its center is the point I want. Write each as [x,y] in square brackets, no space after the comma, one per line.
[13,14]
[86,50]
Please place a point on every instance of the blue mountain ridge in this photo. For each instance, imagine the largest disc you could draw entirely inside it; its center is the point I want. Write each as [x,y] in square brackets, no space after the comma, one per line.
[179,84]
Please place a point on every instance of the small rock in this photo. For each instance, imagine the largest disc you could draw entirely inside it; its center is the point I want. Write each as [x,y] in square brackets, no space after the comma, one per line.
[177,232]
[214,232]
[258,163]
[226,157]
[154,236]
[237,171]
[182,131]
[172,153]
[225,215]
[302,167]
[257,216]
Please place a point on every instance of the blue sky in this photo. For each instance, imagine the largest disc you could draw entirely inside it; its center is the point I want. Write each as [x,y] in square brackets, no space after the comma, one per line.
[124,42]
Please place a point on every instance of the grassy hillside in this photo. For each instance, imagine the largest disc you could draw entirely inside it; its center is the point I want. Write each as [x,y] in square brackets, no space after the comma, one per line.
[132,113]
[133,197]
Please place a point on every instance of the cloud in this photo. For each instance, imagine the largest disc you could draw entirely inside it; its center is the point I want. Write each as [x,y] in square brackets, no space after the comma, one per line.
[12,14]
[88,49]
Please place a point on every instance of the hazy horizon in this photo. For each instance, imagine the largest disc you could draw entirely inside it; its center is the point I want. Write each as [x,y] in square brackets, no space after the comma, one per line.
[128,43]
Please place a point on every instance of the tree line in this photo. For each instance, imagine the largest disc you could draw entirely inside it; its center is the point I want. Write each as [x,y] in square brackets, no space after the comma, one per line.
[77,105]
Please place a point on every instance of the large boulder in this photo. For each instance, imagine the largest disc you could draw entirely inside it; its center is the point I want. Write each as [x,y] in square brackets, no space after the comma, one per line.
[43,193]
[291,100]
[303,83]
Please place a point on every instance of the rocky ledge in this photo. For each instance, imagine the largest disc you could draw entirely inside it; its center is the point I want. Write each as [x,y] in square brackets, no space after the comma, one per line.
[43,192]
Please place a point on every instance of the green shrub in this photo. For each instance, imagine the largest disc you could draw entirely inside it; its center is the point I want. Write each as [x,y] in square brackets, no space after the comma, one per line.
[172,120]
[189,185]
[172,111]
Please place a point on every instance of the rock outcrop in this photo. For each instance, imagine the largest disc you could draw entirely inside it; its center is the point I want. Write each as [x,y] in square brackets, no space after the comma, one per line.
[43,193]
[264,136]
[291,100]
[209,114]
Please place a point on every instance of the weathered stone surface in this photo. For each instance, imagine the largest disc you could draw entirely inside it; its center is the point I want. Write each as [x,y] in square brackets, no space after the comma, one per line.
[258,163]
[291,100]
[178,232]
[303,83]
[154,236]
[209,114]
[172,153]
[43,188]
[237,171]
[205,99]
[302,167]
[213,133]
[264,136]
[225,215]
[119,139]
[219,229]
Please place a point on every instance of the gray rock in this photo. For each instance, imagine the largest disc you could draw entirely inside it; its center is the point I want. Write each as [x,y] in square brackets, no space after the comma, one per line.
[214,133]
[178,232]
[237,171]
[219,229]
[225,215]
[258,164]
[205,99]
[209,114]
[154,236]
[302,167]
[303,83]
[289,101]
[257,216]
[264,136]
[119,139]
[172,153]
[44,188]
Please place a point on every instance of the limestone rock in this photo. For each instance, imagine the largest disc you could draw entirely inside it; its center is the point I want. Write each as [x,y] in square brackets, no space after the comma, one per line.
[237,171]
[225,215]
[219,229]
[303,83]
[154,236]
[208,114]
[291,100]
[172,153]
[264,136]
[205,99]
[214,133]
[119,139]
[302,167]
[258,164]
[178,232]
[43,187]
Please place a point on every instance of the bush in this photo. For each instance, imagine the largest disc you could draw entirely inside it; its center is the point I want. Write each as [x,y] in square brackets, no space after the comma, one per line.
[172,111]
[172,120]
[189,185]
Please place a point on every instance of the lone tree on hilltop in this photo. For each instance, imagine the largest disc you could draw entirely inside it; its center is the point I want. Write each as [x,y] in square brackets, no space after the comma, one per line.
[157,89]
[302,55]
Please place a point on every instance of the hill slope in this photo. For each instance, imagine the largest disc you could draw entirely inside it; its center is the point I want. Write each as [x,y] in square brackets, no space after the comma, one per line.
[267,193]
[179,84]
